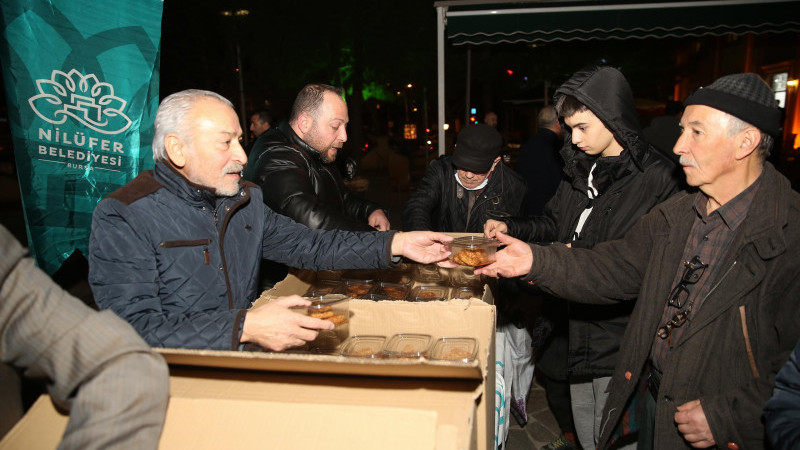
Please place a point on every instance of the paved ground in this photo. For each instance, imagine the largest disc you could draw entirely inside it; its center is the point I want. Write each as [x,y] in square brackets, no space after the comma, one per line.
[541,427]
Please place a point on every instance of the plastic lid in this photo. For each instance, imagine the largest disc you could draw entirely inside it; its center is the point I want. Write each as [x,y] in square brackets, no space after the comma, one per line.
[456,349]
[475,241]
[393,291]
[366,346]
[464,292]
[404,345]
[428,293]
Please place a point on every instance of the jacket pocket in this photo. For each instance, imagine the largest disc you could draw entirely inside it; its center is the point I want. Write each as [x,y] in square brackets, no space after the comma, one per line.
[190,243]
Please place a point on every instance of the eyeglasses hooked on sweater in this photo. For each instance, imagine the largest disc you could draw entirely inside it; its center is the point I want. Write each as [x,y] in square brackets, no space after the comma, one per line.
[694,270]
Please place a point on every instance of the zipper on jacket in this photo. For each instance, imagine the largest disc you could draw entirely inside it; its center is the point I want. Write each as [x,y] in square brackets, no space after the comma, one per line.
[725,275]
[189,243]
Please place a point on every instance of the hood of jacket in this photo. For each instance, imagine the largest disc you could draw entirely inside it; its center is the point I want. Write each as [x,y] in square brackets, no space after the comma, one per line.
[608,95]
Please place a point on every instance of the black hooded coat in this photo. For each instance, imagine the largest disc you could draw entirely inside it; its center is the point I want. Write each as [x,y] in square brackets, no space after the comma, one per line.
[629,185]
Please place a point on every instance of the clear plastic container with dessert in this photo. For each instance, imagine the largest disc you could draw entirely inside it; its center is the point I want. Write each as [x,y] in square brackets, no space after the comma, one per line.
[323,287]
[428,293]
[407,346]
[363,346]
[334,308]
[431,274]
[358,288]
[465,276]
[397,276]
[473,251]
[465,292]
[454,349]
[363,275]
[392,291]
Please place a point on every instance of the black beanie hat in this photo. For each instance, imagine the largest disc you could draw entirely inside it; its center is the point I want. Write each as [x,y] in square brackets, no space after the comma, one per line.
[477,147]
[742,95]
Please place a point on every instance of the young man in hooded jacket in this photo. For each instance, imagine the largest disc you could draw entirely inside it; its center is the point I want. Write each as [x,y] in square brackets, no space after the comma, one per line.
[611,178]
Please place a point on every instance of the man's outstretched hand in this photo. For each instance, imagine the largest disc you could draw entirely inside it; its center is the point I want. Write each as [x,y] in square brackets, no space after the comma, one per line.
[421,246]
[512,261]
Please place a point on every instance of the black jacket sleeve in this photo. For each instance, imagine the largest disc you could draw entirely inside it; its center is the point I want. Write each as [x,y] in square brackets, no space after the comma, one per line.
[542,228]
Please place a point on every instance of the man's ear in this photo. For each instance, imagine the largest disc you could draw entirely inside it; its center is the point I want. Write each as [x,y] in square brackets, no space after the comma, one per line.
[748,140]
[176,150]
[494,163]
[305,122]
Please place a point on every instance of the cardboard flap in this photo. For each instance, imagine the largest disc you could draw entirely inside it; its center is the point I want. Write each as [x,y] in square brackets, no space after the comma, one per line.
[324,364]
[252,424]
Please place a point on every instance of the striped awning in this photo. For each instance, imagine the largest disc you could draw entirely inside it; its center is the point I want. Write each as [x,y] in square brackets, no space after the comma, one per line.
[531,22]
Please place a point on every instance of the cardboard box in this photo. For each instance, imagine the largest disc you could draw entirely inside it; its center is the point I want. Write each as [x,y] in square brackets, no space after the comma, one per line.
[282,400]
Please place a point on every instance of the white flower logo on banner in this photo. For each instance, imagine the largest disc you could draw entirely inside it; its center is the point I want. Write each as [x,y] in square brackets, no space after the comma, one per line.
[81,97]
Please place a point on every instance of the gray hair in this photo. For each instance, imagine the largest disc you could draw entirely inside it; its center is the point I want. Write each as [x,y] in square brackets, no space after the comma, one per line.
[737,125]
[310,99]
[547,117]
[171,114]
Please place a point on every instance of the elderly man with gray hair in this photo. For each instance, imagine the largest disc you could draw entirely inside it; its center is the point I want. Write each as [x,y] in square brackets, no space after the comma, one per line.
[176,252]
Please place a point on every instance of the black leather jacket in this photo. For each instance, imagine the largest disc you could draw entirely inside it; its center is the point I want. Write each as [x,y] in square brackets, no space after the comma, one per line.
[439,203]
[297,184]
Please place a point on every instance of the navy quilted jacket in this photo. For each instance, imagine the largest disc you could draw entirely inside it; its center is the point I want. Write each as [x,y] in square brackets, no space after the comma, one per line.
[181,265]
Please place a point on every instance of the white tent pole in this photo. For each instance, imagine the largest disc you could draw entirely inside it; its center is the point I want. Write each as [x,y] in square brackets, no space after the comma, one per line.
[440,23]
[468,100]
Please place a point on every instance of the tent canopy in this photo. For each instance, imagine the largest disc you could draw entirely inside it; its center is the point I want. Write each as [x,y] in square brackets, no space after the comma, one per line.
[560,21]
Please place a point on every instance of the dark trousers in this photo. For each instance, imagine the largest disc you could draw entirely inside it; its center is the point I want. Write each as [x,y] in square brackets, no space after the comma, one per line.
[647,421]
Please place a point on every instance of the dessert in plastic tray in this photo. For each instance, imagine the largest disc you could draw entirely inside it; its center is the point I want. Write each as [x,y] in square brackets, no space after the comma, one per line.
[365,346]
[363,275]
[392,291]
[464,292]
[430,273]
[428,293]
[323,287]
[357,289]
[397,276]
[334,308]
[473,251]
[406,345]
[455,349]
[465,276]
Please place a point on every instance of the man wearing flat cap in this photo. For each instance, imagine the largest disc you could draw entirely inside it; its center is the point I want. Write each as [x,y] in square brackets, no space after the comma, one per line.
[460,192]
[716,274]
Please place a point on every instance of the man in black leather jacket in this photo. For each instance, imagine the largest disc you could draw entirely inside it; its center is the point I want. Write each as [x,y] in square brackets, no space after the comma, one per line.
[293,164]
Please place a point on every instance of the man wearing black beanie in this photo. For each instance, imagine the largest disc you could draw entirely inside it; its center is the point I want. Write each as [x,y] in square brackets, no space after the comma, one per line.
[716,274]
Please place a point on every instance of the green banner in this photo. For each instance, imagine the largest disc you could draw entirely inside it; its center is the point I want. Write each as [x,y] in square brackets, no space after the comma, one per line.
[81,79]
